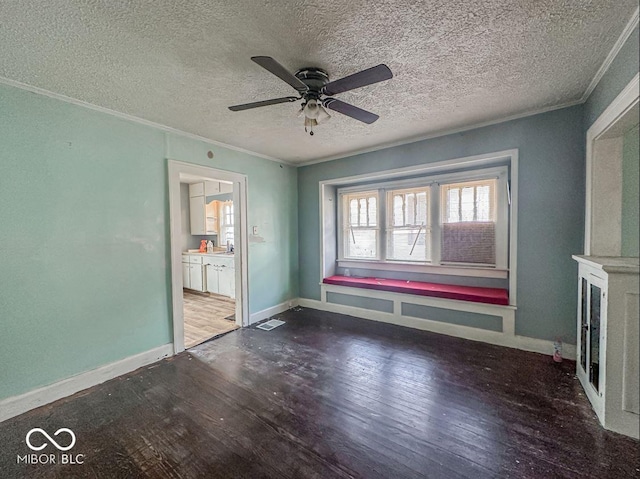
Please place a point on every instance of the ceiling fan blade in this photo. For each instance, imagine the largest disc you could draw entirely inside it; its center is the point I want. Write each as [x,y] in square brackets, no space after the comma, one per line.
[365,77]
[281,72]
[350,110]
[257,104]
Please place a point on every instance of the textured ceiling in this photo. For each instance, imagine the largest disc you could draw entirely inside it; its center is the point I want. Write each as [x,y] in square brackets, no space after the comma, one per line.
[182,62]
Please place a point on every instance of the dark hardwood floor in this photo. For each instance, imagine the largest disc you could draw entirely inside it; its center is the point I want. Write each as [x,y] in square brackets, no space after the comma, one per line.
[330,396]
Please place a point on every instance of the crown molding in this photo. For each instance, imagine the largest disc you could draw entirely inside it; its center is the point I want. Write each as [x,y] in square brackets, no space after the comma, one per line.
[135,119]
[441,133]
[622,39]
[624,36]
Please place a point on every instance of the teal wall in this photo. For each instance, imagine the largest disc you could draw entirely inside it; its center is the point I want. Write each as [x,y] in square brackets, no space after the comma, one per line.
[84,242]
[630,192]
[621,71]
[550,216]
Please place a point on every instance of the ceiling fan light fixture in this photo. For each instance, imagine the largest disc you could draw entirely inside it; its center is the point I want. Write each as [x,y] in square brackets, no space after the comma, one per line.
[312,109]
[323,115]
[314,114]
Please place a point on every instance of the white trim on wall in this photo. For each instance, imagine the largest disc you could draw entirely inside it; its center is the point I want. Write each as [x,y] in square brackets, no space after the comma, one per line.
[622,39]
[625,101]
[272,311]
[240,197]
[506,337]
[16,405]
[475,161]
[624,36]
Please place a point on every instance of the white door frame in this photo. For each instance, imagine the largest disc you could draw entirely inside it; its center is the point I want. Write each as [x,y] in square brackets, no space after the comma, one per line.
[176,170]
[604,151]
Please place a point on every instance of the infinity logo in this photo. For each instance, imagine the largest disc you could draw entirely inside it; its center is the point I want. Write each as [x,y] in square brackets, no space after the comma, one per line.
[41,431]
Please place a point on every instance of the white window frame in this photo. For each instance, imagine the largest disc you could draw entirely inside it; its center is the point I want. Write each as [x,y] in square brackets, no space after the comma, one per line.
[223,226]
[388,198]
[343,213]
[501,268]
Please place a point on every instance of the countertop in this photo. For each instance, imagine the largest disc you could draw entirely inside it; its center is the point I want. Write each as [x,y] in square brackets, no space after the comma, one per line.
[219,253]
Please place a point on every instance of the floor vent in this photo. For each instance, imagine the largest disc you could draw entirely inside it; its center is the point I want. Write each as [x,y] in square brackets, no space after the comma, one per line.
[269,325]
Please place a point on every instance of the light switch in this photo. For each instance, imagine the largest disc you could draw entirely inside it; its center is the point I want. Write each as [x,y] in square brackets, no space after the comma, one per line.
[254,230]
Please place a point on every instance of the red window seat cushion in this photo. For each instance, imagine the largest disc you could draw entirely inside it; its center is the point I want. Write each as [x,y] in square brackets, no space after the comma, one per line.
[437,290]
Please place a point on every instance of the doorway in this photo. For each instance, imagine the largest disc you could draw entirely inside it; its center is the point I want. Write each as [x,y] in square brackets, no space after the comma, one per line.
[208,252]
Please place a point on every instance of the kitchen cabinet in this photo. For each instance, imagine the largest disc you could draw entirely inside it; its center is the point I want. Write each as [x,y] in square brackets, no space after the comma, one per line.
[197,215]
[217,188]
[608,334]
[186,279]
[221,278]
[205,217]
[197,212]
[193,272]
[226,279]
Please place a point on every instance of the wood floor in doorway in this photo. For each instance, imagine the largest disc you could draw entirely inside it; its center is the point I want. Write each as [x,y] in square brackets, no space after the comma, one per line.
[204,317]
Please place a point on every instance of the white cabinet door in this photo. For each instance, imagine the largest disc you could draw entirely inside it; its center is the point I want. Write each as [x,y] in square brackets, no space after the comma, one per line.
[197,215]
[213,285]
[195,276]
[225,279]
[186,277]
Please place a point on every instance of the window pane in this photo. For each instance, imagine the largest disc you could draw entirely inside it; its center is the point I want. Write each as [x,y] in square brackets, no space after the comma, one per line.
[470,201]
[400,244]
[361,243]
[453,205]
[398,211]
[373,212]
[421,214]
[467,206]
[483,203]
[353,212]
[410,207]
[410,216]
[362,212]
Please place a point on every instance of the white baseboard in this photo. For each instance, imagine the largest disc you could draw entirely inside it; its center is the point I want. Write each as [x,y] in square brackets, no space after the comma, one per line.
[524,343]
[277,309]
[15,405]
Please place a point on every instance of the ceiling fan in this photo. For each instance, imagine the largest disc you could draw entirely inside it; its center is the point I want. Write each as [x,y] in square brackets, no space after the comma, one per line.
[316,91]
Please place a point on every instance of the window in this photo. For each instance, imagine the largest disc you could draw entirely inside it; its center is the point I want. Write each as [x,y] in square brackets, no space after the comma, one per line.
[226,224]
[408,229]
[360,228]
[457,220]
[469,222]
